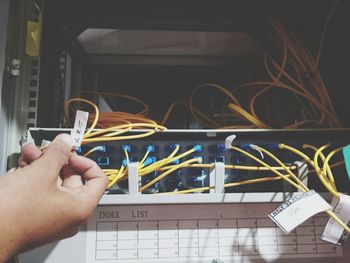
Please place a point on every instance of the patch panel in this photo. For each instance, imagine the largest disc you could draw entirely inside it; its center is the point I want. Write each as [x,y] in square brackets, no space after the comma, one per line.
[209,146]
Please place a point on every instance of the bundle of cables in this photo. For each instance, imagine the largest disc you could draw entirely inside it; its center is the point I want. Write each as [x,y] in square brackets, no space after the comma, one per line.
[297,74]
[324,173]
[111,118]
[117,132]
[166,166]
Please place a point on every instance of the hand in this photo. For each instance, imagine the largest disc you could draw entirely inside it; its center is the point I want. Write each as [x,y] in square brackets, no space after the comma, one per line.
[48,197]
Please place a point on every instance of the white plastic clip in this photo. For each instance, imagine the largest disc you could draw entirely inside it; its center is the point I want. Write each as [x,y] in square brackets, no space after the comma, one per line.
[133,178]
[217,178]
[256,148]
[229,140]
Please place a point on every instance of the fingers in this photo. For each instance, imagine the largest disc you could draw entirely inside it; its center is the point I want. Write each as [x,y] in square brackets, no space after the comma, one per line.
[56,154]
[96,180]
[29,154]
[71,179]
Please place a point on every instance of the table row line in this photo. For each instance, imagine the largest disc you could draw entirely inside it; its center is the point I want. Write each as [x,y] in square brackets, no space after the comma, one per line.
[186,233]
[208,242]
[222,251]
[199,224]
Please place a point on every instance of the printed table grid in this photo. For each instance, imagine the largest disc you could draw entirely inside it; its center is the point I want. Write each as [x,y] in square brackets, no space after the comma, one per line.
[147,239]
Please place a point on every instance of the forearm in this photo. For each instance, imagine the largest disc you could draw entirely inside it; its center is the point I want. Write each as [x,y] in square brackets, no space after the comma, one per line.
[11,238]
[46,200]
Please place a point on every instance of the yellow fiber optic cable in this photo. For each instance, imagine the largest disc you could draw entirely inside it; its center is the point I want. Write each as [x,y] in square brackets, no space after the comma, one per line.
[170,110]
[144,157]
[126,156]
[303,189]
[228,185]
[266,165]
[292,175]
[115,179]
[119,138]
[326,184]
[161,176]
[113,133]
[326,167]
[317,167]
[232,166]
[328,173]
[158,164]
[247,115]
[166,161]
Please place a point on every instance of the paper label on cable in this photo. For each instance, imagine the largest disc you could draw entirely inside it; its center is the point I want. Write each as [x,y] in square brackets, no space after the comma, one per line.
[298,209]
[333,232]
[78,131]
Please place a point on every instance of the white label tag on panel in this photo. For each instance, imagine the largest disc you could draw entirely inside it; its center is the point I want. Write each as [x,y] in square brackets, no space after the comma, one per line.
[333,232]
[298,209]
[78,131]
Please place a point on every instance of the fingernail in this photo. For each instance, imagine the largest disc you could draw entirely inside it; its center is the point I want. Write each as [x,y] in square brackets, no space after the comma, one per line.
[66,138]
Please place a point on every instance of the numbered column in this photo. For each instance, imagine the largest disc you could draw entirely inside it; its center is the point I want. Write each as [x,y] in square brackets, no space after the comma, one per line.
[168,242]
[267,237]
[106,240]
[208,238]
[247,237]
[127,240]
[188,238]
[322,246]
[306,238]
[228,237]
[148,239]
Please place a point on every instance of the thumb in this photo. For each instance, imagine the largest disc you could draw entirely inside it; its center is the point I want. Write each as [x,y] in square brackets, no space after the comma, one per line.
[57,153]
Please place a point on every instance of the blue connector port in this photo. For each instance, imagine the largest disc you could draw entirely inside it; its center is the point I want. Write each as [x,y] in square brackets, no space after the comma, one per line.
[149,160]
[151,148]
[170,148]
[177,161]
[131,159]
[103,161]
[217,148]
[129,148]
[198,148]
[219,158]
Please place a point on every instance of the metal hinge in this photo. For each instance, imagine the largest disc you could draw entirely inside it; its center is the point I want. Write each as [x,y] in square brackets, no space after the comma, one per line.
[14,66]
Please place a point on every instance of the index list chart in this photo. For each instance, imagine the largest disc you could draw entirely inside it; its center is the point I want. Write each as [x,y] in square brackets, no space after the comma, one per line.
[193,233]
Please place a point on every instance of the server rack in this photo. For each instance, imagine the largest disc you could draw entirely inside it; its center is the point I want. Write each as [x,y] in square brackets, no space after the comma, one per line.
[59,63]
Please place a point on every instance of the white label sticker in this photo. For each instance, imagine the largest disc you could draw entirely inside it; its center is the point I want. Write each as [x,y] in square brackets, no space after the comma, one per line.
[333,232]
[78,131]
[298,209]
[44,143]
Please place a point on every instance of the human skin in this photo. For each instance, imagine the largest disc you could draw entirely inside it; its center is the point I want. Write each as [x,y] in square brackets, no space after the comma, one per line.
[48,197]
